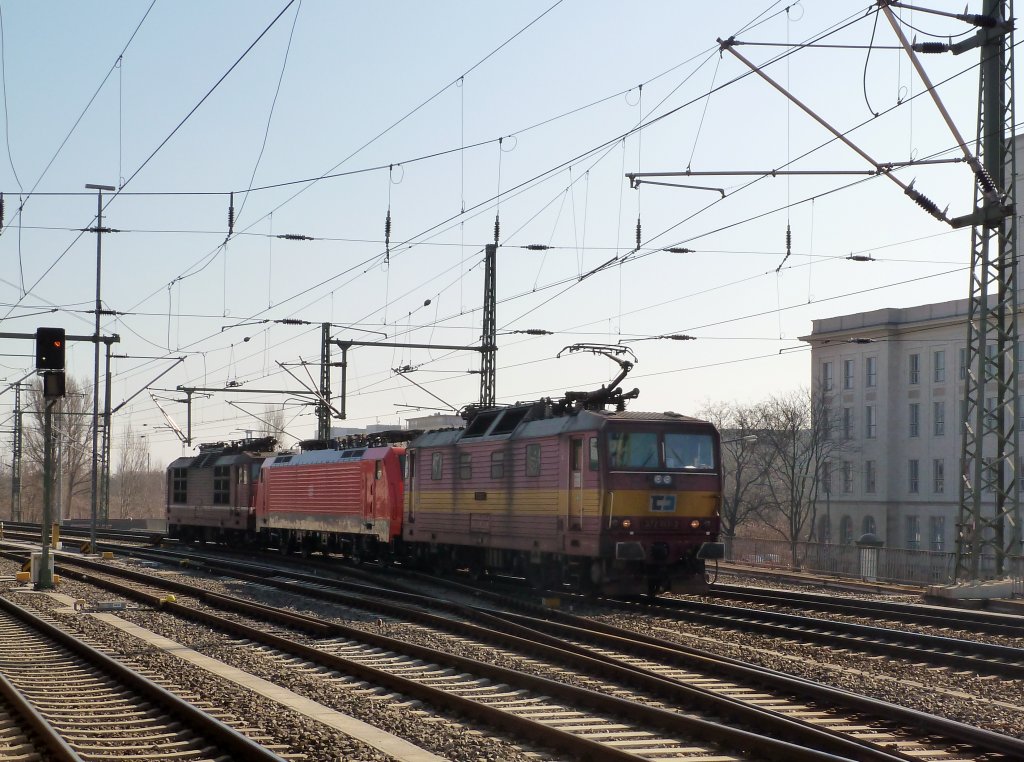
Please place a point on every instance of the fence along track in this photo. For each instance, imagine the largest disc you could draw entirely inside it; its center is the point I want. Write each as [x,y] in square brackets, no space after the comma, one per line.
[103,709]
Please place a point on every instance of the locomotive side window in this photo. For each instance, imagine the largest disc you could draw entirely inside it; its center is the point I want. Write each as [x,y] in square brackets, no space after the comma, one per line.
[221,485]
[533,460]
[179,485]
[243,475]
[497,465]
[409,459]
[593,454]
[465,466]
[379,471]
[632,449]
[689,451]
[436,466]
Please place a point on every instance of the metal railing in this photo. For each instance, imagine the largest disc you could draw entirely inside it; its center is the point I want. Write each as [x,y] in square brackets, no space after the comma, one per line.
[896,565]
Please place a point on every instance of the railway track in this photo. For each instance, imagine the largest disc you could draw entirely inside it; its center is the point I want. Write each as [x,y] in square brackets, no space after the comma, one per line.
[85,705]
[944,617]
[665,676]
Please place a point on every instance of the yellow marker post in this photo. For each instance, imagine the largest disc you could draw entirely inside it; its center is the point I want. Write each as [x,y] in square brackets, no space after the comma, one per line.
[55,537]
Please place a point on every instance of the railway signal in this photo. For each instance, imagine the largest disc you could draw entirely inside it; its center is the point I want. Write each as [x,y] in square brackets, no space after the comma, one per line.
[50,348]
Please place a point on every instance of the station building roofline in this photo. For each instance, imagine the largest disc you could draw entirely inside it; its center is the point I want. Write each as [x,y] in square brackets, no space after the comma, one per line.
[887,320]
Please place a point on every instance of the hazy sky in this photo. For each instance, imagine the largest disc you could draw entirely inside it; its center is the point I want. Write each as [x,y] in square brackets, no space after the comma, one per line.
[438,109]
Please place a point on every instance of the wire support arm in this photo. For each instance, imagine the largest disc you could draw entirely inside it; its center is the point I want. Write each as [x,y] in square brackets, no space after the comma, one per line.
[921,200]
[988,187]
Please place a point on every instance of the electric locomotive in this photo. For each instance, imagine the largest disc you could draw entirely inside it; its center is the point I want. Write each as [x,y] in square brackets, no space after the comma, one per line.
[211,496]
[618,502]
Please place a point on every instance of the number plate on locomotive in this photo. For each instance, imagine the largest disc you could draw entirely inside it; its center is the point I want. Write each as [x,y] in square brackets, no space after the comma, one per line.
[663,503]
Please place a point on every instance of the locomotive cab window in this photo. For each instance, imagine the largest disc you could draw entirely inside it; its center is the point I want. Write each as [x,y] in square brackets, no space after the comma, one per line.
[436,466]
[593,454]
[689,451]
[633,449]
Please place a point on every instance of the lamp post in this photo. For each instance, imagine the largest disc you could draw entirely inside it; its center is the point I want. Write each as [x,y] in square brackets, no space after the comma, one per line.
[94,491]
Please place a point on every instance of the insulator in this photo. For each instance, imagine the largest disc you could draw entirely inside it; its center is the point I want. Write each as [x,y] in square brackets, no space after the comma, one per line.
[231,215]
[637,232]
[387,237]
[930,47]
[1,211]
[497,227]
[679,250]
[861,258]
[295,237]
[985,179]
[986,22]
[789,239]
[926,203]
[536,247]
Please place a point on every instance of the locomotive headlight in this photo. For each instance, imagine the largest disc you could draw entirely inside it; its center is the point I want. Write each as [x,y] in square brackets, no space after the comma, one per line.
[695,524]
[659,479]
[626,523]
[666,479]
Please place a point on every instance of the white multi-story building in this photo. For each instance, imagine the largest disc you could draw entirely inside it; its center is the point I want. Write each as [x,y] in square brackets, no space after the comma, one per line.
[895,383]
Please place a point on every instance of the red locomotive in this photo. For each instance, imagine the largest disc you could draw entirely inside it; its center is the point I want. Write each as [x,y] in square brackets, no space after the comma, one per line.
[559,492]
[343,501]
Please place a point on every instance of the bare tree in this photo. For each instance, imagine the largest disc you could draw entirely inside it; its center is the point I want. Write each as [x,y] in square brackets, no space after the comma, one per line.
[132,474]
[743,469]
[794,443]
[273,422]
[72,435]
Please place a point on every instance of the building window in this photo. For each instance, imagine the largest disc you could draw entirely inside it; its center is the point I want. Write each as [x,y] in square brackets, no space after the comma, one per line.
[937,532]
[868,525]
[962,372]
[913,474]
[826,376]
[871,371]
[847,374]
[869,421]
[179,485]
[533,460]
[222,485]
[914,420]
[497,465]
[436,466]
[939,365]
[913,538]
[915,368]
[847,476]
[847,423]
[938,476]
[939,418]
[846,530]
[826,476]
[465,466]
[869,476]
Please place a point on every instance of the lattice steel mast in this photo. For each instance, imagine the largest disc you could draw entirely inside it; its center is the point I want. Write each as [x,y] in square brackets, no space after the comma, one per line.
[991,423]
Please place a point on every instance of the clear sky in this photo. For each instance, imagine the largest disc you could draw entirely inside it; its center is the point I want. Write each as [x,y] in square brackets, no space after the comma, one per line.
[451,112]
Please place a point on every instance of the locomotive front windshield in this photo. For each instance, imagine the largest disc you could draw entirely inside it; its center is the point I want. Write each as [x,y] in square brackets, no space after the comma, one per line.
[673,450]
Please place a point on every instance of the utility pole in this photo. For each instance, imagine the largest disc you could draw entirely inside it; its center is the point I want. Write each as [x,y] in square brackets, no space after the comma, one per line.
[488,340]
[16,457]
[990,437]
[323,408]
[94,490]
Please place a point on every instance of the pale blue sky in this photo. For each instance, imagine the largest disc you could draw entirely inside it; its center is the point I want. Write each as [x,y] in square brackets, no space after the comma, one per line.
[352,72]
